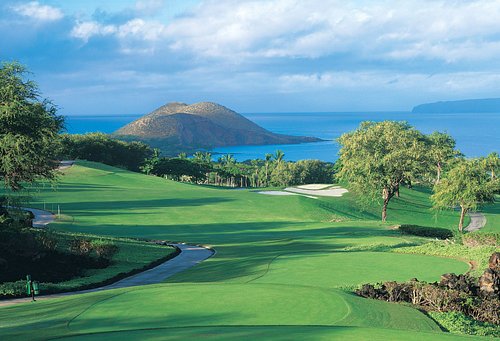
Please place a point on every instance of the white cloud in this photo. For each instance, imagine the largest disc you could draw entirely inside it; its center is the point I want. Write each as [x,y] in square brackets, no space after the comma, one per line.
[87,29]
[38,11]
[443,30]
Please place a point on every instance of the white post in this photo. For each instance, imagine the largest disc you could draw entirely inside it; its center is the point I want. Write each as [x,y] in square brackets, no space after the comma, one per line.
[58,211]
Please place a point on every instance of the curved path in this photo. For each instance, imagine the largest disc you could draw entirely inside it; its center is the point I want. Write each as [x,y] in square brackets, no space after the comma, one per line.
[477,221]
[189,256]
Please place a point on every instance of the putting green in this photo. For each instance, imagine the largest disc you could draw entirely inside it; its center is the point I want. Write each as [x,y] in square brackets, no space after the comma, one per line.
[352,268]
[271,333]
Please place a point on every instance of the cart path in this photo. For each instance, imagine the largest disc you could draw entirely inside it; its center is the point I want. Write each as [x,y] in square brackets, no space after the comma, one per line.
[477,222]
[189,256]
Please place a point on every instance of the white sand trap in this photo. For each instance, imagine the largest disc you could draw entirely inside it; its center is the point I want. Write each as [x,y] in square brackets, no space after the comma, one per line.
[285,193]
[335,191]
[314,186]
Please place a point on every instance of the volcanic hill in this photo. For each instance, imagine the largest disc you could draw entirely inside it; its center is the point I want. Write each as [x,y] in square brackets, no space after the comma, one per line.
[177,127]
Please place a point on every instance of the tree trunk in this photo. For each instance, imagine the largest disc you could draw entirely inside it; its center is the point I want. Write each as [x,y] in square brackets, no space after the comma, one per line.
[386,195]
[397,191]
[438,173]
[462,216]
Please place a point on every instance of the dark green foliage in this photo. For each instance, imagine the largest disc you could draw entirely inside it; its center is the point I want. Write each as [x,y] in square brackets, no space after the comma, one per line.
[423,231]
[29,129]
[176,168]
[459,323]
[100,147]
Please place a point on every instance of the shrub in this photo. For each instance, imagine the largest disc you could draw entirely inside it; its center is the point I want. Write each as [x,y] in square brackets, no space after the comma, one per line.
[80,246]
[13,289]
[47,240]
[423,231]
[104,249]
[475,239]
[459,323]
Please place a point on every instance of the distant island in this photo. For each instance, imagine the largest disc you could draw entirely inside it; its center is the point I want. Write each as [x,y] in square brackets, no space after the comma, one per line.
[464,106]
[179,127]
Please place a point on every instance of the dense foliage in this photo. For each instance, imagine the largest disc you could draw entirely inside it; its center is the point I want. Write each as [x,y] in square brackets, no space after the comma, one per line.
[100,147]
[29,129]
[272,171]
[377,158]
[423,231]
[466,185]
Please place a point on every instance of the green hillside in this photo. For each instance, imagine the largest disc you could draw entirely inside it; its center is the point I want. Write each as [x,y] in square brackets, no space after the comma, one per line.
[280,271]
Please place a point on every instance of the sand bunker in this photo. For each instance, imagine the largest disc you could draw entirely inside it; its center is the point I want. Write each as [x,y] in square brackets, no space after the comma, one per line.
[335,191]
[314,186]
[285,193]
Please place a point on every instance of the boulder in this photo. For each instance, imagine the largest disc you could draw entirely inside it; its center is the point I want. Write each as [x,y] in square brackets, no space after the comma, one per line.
[489,282]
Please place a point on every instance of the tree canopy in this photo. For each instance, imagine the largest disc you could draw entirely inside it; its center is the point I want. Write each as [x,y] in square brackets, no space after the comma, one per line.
[377,158]
[466,185]
[29,129]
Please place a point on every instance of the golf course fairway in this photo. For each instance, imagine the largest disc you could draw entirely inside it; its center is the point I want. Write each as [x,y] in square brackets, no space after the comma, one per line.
[283,269]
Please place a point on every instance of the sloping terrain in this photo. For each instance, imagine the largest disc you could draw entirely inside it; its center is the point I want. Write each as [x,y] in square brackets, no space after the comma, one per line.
[178,127]
[280,272]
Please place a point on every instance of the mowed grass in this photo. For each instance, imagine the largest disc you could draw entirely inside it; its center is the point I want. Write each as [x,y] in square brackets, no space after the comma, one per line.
[280,262]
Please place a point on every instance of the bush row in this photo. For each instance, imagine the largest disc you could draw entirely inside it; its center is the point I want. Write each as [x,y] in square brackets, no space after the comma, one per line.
[438,297]
[423,231]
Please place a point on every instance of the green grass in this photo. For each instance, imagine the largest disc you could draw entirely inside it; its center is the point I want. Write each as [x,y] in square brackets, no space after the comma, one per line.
[492,213]
[132,256]
[279,265]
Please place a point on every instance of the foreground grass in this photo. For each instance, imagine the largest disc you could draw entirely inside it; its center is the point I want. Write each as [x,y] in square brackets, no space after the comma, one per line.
[279,265]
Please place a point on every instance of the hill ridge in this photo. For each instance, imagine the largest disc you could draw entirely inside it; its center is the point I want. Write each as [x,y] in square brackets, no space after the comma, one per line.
[178,126]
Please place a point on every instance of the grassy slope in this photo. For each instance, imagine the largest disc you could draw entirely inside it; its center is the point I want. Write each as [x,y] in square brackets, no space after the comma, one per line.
[260,276]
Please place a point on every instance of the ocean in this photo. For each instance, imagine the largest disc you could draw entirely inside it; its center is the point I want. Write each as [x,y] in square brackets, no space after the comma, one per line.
[476,134]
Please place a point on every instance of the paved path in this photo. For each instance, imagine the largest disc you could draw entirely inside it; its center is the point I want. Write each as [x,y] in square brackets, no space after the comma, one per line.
[190,256]
[477,221]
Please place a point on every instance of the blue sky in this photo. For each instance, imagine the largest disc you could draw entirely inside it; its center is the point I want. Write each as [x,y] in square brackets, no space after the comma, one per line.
[130,56]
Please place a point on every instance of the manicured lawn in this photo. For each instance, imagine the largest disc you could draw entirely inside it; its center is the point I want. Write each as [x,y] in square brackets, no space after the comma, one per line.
[279,265]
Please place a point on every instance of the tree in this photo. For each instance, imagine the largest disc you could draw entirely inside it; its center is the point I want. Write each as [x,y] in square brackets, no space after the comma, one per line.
[492,164]
[467,185]
[377,157]
[268,160]
[279,155]
[150,163]
[441,149]
[29,130]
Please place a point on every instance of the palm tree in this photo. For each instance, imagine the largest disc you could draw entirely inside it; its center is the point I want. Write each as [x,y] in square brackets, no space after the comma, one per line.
[279,156]
[268,159]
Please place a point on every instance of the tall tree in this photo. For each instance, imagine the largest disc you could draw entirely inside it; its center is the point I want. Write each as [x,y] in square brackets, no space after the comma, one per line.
[467,185]
[441,150]
[377,157]
[279,155]
[29,129]
[268,157]
[492,164]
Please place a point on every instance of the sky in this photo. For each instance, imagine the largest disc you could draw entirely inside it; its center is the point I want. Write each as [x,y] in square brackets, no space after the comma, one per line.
[128,57]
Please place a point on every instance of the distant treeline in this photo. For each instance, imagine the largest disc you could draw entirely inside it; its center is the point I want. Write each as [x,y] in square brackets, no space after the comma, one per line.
[273,170]
[100,147]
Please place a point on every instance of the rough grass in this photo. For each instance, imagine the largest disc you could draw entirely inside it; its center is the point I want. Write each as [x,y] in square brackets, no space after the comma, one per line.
[458,323]
[228,295]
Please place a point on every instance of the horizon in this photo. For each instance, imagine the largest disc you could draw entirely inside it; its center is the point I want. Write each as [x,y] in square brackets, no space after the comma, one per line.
[124,57]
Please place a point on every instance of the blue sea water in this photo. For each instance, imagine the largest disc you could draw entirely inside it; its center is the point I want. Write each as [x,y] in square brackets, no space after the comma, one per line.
[476,134]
